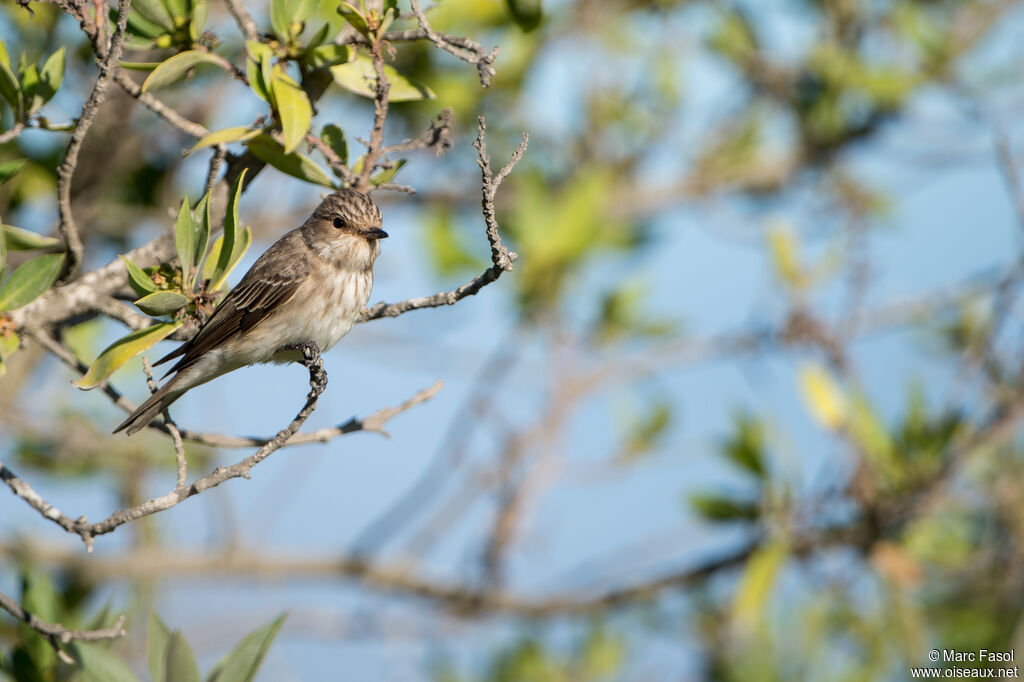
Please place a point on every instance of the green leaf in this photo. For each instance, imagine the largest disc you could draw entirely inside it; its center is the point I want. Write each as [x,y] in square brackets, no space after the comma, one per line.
[200,12]
[201,221]
[101,665]
[178,9]
[30,87]
[335,139]
[231,245]
[327,55]
[5,59]
[526,13]
[320,37]
[745,448]
[121,351]
[177,66]
[18,239]
[293,109]
[140,66]
[31,279]
[157,637]
[359,76]
[161,303]
[9,168]
[180,663]
[155,11]
[243,662]
[140,25]
[280,17]
[137,277]
[185,242]
[388,174]
[721,508]
[51,75]
[224,136]
[259,54]
[295,164]
[354,17]
[10,89]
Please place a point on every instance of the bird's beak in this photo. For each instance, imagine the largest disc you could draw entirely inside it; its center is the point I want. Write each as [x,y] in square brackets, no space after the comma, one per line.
[375,233]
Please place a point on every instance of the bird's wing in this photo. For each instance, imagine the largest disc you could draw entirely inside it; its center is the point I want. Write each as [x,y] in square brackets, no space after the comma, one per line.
[264,289]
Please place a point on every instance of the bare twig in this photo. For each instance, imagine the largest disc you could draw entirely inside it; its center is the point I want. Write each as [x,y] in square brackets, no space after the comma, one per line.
[108,66]
[179,446]
[464,49]
[57,634]
[9,135]
[500,255]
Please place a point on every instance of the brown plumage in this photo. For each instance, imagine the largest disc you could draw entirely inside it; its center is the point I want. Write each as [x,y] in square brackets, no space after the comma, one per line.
[309,286]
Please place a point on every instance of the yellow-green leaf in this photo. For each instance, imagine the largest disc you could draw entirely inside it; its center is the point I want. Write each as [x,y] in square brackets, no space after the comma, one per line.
[18,239]
[786,256]
[140,281]
[354,17]
[51,75]
[757,582]
[10,89]
[177,66]
[293,109]
[161,302]
[228,249]
[31,279]
[121,351]
[180,665]
[295,164]
[244,239]
[235,134]
[823,398]
[327,55]
[257,53]
[360,77]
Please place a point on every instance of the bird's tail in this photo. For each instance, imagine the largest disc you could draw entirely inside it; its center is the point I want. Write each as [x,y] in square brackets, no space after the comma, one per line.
[148,411]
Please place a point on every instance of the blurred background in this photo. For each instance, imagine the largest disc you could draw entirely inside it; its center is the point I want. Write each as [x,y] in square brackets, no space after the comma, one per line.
[746,409]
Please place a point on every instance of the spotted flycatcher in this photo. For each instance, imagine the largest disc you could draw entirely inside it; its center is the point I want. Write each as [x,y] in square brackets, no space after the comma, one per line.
[308,287]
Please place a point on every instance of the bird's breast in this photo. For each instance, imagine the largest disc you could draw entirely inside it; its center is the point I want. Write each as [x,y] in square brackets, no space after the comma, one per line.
[335,302]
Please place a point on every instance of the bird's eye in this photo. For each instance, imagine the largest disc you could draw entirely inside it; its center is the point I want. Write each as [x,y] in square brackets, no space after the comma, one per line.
[339,223]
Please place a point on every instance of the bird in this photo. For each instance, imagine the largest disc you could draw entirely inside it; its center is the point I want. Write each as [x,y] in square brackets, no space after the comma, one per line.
[308,287]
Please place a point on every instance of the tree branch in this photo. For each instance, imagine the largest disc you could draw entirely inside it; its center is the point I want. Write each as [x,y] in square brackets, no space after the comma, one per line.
[108,67]
[55,633]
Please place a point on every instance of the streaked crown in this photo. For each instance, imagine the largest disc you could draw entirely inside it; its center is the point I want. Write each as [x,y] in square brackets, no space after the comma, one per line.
[356,208]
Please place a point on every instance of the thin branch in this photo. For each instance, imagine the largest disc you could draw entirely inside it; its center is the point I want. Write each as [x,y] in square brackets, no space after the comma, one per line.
[437,137]
[87,531]
[380,115]
[148,100]
[57,634]
[108,66]
[500,255]
[243,19]
[464,49]
[9,135]
[179,446]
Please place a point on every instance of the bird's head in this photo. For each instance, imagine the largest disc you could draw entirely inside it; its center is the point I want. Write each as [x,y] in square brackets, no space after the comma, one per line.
[346,228]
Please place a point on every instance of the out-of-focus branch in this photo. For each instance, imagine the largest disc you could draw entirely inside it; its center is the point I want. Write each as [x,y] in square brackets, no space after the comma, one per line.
[109,65]
[243,19]
[379,575]
[55,633]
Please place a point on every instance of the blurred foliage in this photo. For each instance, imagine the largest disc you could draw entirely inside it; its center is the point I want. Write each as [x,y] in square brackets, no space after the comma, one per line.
[920,514]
